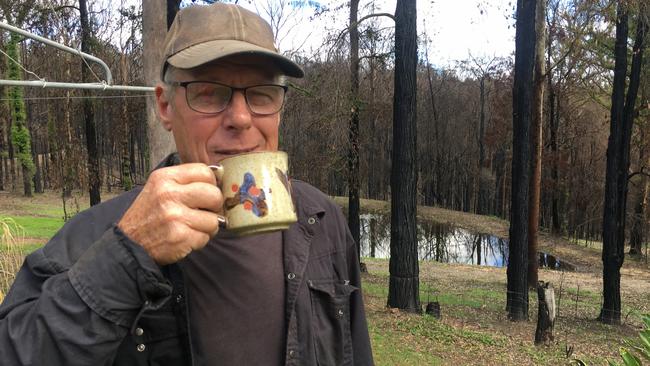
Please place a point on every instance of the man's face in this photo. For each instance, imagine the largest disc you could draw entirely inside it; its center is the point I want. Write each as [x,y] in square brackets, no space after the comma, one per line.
[209,138]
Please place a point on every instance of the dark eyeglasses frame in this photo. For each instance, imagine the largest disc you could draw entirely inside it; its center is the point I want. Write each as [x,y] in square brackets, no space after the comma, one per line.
[233,89]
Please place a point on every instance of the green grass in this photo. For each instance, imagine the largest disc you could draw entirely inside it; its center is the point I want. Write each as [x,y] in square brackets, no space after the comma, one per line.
[39,227]
[390,349]
[46,210]
[421,340]
[475,298]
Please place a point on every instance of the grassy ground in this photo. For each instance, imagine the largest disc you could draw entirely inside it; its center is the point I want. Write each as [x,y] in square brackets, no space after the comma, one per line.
[473,329]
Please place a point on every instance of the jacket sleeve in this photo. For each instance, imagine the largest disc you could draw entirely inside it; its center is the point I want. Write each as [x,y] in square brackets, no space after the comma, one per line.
[360,339]
[69,309]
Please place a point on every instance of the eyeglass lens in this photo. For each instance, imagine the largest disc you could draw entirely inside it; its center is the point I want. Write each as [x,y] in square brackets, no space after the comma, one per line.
[208,97]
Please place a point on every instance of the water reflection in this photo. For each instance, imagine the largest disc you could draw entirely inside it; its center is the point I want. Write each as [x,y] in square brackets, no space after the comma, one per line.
[444,243]
[436,241]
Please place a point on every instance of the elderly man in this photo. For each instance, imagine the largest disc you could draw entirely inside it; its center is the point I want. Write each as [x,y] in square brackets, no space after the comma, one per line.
[148,279]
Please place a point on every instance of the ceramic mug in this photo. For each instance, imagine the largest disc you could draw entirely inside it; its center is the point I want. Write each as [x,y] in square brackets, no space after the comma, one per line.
[256,192]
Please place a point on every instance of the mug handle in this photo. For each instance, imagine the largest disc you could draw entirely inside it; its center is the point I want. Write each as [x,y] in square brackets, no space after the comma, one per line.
[218,172]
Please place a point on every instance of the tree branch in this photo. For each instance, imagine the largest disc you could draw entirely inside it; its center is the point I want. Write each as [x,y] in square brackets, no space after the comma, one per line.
[347,29]
[59,8]
[374,55]
[640,172]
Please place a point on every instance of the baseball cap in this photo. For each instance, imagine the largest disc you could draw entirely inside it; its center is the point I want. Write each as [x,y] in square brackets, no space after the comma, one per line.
[204,33]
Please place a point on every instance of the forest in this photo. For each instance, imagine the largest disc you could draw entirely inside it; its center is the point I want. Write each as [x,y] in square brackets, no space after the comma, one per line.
[464,116]
[555,133]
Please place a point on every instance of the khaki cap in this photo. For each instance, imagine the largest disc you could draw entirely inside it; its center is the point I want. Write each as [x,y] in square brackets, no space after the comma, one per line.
[200,34]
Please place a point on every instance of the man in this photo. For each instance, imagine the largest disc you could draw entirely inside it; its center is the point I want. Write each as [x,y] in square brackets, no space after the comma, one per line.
[149,279]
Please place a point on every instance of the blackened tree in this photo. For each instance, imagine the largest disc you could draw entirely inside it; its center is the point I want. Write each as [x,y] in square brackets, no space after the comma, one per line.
[94,173]
[353,153]
[403,289]
[522,105]
[536,142]
[618,161]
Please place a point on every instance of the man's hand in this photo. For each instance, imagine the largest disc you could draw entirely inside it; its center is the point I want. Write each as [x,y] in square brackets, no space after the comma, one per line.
[175,213]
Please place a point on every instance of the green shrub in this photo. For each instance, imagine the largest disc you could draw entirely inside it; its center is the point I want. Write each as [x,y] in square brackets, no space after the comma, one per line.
[11,239]
[633,353]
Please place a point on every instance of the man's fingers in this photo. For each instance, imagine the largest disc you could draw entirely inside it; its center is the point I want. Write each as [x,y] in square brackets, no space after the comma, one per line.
[201,195]
[188,173]
[202,220]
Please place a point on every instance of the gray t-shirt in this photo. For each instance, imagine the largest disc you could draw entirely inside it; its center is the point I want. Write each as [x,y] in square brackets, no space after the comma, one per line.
[236,300]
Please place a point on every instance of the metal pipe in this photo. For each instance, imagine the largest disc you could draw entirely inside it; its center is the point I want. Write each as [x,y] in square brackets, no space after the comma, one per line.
[57,85]
[107,71]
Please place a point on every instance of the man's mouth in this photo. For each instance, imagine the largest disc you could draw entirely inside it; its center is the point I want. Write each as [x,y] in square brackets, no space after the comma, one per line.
[235,151]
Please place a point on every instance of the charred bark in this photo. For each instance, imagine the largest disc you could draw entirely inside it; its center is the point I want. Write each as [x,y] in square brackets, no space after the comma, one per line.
[618,163]
[94,178]
[517,273]
[536,142]
[637,232]
[353,130]
[403,289]
[172,8]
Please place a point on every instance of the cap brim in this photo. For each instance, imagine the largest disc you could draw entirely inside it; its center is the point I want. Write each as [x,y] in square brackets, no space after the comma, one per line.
[209,51]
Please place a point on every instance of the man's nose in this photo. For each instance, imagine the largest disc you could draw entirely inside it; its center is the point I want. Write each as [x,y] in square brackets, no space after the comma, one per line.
[238,115]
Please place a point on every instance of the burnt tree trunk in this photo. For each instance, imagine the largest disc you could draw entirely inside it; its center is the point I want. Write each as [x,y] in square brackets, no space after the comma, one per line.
[38,172]
[172,8]
[638,233]
[554,119]
[403,291]
[353,129]
[536,142]
[638,222]
[481,199]
[500,182]
[522,103]
[618,163]
[546,313]
[94,179]
[434,197]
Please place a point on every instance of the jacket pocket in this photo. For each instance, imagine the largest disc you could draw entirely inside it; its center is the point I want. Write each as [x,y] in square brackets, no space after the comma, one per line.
[330,321]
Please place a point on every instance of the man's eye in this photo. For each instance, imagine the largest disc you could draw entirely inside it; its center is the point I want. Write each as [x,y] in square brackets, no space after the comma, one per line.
[259,98]
[262,95]
[209,93]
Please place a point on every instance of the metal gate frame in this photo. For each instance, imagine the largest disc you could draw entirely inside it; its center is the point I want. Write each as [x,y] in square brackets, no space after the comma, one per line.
[104,85]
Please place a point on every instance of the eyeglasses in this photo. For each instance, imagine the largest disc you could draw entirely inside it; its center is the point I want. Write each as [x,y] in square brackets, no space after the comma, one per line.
[211,97]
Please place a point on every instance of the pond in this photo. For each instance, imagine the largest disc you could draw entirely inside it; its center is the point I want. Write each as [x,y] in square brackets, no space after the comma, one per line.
[445,243]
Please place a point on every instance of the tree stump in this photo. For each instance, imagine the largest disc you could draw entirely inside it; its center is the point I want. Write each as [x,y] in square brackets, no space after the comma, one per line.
[433,308]
[363,268]
[546,313]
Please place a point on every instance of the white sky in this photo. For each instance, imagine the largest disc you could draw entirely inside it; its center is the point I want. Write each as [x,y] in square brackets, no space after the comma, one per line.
[455,27]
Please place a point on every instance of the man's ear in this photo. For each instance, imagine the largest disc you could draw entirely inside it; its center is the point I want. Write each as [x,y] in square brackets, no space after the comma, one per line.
[164,106]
